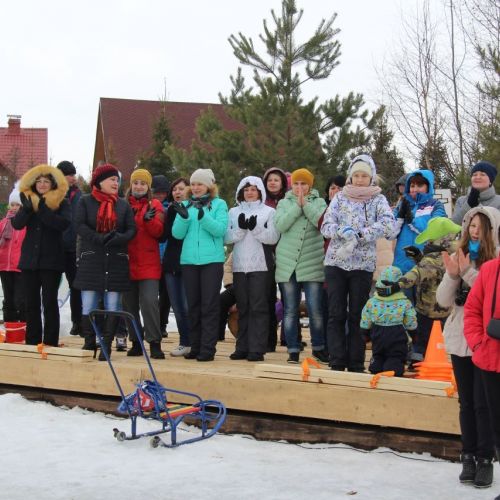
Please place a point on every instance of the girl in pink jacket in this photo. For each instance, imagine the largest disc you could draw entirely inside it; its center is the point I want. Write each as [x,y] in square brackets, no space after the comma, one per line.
[10,251]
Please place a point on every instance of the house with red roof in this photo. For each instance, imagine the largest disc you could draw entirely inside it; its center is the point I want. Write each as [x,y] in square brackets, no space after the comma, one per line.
[20,149]
[125,127]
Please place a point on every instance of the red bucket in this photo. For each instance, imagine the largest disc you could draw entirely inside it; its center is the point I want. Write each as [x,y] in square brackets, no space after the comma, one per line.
[15,332]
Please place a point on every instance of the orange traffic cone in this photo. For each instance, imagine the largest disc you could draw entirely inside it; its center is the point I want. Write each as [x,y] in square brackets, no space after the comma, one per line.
[435,365]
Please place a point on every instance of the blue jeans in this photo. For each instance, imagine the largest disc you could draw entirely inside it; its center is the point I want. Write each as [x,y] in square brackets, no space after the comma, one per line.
[178,301]
[91,300]
[291,291]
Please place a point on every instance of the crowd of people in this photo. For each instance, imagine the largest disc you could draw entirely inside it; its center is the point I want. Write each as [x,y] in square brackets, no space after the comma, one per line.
[166,245]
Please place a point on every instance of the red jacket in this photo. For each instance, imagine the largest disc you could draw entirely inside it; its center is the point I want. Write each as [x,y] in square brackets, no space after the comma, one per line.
[477,314]
[143,249]
[10,249]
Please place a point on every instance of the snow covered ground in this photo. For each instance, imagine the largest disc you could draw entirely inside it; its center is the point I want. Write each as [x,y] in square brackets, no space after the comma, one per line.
[70,454]
[56,453]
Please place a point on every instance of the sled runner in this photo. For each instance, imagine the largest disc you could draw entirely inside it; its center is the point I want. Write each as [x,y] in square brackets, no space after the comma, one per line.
[151,400]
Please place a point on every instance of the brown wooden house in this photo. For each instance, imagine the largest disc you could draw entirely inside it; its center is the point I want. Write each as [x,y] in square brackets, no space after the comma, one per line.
[125,127]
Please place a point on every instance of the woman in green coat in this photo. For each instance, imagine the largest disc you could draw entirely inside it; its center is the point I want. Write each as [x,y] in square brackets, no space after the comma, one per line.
[299,262]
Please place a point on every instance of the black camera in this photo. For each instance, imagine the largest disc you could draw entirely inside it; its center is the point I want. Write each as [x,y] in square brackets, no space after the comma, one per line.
[461,297]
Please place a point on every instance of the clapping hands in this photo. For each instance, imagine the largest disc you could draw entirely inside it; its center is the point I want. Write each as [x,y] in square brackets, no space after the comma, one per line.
[456,264]
[244,223]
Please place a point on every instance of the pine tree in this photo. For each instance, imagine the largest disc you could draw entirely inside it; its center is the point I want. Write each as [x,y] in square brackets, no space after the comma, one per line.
[157,159]
[279,129]
[390,164]
[435,157]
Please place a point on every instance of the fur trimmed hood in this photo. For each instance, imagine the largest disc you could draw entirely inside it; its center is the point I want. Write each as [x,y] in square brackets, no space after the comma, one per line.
[55,196]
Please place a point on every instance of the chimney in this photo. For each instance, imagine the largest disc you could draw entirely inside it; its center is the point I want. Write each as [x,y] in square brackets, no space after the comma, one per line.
[14,124]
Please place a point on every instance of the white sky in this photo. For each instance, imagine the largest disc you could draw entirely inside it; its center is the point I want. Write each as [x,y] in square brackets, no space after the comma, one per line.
[57,58]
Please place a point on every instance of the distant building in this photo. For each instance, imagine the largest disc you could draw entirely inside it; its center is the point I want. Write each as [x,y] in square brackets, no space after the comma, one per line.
[125,127]
[20,149]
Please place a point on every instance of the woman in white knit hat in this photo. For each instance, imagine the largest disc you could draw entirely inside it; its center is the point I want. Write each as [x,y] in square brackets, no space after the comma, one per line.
[201,222]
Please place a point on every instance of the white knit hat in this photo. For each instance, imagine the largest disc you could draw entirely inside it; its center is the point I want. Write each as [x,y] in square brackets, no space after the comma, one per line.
[14,195]
[361,166]
[203,176]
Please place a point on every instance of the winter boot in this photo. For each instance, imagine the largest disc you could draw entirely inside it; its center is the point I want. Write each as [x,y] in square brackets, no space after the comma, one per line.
[468,468]
[321,355]
[76,329]
[135,350]
[498,459]
[88,334]
[238,355]
[255,356]
[105,345]
[108,334]
[484,473]
[121,343]
[155,350]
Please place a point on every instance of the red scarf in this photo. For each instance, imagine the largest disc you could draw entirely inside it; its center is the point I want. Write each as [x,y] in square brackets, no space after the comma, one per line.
[137,203]
[106,215]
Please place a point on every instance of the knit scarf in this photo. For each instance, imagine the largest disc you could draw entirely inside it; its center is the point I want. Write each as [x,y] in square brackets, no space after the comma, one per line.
[7,229]
[355,193]
[106,215]
[202,201]
[137,203]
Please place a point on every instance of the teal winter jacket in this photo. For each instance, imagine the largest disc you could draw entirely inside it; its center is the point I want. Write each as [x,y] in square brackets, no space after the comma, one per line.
[203,239]
[300,247]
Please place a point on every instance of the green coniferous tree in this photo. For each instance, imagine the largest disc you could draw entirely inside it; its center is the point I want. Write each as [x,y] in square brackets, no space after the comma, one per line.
[278,128]
[389,162]
[435,157]
[157,159]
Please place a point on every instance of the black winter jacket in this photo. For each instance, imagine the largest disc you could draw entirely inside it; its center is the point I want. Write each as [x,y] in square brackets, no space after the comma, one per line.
[43,244]
[100,268]
[69,237]
[172,255]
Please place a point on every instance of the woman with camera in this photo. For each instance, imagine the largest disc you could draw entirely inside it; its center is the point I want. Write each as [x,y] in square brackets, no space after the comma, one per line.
[479,244]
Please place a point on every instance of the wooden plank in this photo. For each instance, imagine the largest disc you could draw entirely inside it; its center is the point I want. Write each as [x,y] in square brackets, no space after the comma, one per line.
[50,358]
[57,351]
[242,391]
[348,378]
[355,383]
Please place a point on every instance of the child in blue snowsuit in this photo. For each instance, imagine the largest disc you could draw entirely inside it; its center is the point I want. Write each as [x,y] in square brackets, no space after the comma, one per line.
[386,318]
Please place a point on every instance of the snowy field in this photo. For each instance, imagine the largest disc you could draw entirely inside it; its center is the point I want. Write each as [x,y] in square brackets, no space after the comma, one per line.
[51,453]
[56,453]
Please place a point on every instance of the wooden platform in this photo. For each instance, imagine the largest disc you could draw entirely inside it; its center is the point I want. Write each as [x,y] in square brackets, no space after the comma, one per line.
[269,388]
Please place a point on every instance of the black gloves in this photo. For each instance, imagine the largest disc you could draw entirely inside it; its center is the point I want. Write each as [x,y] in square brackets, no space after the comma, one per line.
[180,209]
[389,289]
[149,214]
[201,213]
[242,222]
[26,202]
[405,211]
[108,237]
[473,198]
[252,222]
[414,253]
[249,223]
